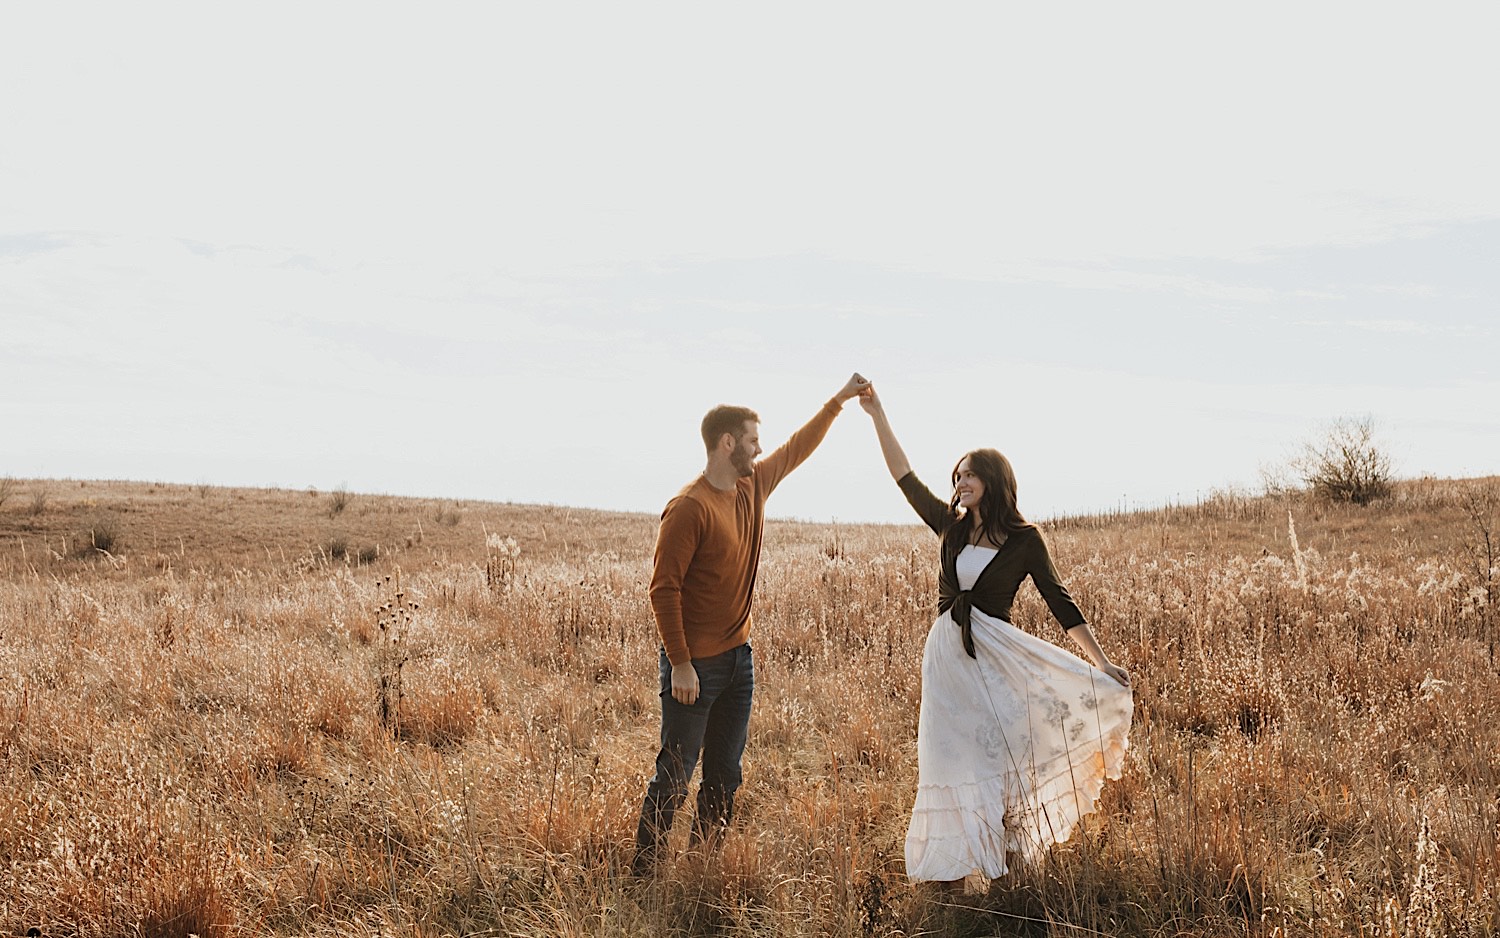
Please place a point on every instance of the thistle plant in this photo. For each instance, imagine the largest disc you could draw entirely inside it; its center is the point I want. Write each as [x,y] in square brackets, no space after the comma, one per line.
[392,620]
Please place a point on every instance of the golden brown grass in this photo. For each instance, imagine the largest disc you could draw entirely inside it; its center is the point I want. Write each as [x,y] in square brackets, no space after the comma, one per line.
[192,742]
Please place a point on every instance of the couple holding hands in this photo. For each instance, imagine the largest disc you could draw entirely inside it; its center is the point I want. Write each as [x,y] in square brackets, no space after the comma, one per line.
[1016,736]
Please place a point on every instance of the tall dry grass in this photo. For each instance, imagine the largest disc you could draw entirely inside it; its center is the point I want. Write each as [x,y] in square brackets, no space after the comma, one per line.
[217,729]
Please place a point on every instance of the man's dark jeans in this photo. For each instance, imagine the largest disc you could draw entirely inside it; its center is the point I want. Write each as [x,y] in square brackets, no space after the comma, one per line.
[716,726]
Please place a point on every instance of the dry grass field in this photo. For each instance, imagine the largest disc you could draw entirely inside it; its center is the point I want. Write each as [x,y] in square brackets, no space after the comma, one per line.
[247,712]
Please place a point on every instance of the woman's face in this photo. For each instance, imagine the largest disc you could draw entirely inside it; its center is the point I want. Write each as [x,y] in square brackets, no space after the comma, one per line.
[970,487]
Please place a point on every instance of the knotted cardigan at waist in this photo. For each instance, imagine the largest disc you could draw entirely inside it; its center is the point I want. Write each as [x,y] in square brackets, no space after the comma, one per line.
[959,606]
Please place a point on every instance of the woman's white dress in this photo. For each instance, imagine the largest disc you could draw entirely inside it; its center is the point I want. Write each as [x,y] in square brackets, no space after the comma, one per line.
[1013,747]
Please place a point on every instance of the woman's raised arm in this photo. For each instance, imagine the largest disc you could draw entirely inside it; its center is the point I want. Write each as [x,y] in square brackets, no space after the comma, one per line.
[890,448]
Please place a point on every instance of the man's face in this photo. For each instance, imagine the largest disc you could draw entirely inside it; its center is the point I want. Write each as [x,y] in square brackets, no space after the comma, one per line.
[745,451]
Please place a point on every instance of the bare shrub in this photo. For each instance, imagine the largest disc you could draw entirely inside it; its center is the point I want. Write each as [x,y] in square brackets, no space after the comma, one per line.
[7,489]
[39,500]
[1346,464]
[102,537]
[338,500]
[1277,480]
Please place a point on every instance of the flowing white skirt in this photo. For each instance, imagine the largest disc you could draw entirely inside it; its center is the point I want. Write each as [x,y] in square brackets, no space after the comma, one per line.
[1012,748]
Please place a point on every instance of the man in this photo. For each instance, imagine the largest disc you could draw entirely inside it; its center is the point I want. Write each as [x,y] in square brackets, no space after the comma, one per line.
[707,554]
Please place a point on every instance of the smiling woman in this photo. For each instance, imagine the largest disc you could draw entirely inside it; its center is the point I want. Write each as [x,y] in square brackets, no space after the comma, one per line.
[1006,765]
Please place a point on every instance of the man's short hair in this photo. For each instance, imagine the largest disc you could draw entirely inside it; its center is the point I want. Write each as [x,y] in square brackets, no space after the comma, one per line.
[726,418]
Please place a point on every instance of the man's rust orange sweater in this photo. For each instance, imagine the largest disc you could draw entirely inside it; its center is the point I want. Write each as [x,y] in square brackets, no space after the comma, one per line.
[708,551]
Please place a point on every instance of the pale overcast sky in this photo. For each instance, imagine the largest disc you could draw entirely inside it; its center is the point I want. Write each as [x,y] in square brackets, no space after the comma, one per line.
[514,252]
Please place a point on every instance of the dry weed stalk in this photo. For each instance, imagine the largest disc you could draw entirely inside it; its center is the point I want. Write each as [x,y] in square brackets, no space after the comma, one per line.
[1297,558]
[393,619]
[501,557]
[1422,909]
[1481,504]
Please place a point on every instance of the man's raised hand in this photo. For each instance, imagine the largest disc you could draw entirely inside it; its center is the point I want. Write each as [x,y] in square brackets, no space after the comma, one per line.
[855,386]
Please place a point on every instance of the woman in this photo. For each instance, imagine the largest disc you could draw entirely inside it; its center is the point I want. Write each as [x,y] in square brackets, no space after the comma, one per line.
[1016,736]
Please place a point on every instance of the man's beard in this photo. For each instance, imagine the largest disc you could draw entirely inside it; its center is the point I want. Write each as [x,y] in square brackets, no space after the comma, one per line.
[742,463]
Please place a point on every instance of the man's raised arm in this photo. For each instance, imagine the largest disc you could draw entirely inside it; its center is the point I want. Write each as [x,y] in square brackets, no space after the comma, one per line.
[770,471]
